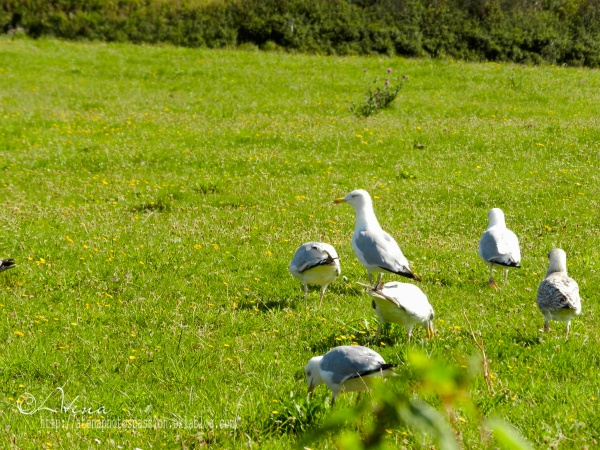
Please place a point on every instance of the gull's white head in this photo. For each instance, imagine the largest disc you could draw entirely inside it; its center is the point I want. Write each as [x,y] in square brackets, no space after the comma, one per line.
[358,198]
[496,217]
[557,261]
[313,373]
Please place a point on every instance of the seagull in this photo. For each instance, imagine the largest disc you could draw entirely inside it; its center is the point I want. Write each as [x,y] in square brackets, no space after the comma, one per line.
[558,294]
[315,263]
[346,368]
[6,264]
[374,248]
[499,246]
[401,303]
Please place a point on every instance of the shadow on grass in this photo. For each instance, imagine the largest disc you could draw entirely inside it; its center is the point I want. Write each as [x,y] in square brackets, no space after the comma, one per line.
[267,305]
[160,205]
[296,302]
[528,340]
[205,188]
[361,332]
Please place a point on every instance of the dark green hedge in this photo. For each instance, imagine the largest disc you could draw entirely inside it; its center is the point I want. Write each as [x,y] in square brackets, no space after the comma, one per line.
[553,31]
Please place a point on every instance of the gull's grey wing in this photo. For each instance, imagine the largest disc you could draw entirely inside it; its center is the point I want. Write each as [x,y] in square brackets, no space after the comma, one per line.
[405,296]
[558,293]
[500,247]
[381,250]
[381,296]
[311,255]
[349,361]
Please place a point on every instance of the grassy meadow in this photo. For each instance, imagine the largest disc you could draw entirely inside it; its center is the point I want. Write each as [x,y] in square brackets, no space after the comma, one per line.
[154,196]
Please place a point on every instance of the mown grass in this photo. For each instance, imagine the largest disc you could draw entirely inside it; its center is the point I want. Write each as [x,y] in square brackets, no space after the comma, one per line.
[153,197]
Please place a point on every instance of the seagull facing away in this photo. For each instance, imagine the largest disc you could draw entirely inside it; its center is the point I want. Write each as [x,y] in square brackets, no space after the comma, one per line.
[315,263]
[374,248]
[499,246]
[401,303]
[558,294]
[346,368]
[6,264]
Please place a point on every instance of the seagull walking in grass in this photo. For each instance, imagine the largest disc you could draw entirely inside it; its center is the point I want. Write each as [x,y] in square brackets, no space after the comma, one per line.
[374,248]
[6,264]
[499,246]
[401,303]
[315,263]
[346,368]
[558,294]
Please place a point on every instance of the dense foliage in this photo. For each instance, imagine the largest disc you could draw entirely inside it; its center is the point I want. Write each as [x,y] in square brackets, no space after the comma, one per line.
[153,196]
[553,31]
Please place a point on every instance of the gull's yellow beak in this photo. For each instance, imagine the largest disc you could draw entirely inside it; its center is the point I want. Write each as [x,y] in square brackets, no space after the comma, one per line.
[339,200]
[429,330]
[311,388]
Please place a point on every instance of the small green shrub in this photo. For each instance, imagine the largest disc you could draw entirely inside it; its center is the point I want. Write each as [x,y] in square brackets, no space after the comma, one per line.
[379,96]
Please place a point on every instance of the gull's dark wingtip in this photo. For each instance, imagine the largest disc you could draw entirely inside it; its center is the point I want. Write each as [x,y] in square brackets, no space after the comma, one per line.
[510,263]
[404,272]
[388,366]
[6,264]
[381,368]
[409,274]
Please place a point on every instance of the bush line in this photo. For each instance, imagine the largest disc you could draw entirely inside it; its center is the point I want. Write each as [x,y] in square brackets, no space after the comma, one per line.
[521,31]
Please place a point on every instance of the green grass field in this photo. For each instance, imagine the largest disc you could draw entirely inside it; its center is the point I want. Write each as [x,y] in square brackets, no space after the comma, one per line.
[154,196]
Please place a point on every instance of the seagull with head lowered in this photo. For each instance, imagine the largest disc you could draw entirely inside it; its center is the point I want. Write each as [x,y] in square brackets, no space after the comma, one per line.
[6,264]
[315,263]
[401,303]
[558,294]
[374,248]
[349,368]
[499,246]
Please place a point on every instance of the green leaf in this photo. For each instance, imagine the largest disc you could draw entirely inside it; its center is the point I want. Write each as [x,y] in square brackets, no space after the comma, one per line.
[507,436]
[425,418]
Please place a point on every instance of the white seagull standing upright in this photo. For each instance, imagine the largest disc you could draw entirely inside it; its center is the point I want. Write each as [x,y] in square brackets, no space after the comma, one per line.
[6,264]
[374,248]
[401,303]
[558,294]
[499,246]
[348,368]
[315,263]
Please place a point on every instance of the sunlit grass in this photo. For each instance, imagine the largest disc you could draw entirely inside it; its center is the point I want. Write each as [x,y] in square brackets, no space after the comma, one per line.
[153,197]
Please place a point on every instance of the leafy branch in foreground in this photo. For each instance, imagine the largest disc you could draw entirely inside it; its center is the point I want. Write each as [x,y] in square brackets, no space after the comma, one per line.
[390,407]
[377,97]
